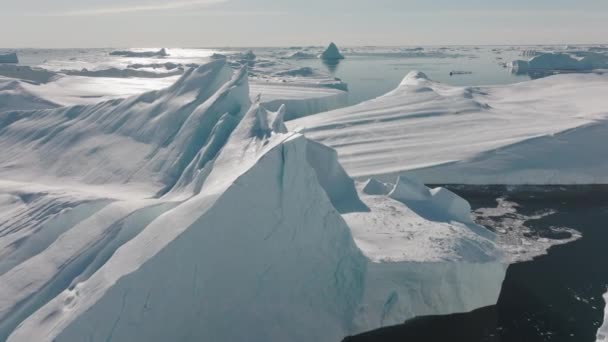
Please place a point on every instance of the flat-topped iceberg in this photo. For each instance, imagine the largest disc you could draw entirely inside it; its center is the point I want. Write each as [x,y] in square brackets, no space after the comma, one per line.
[193,213]
[481,135]
[130,53]
[576,61]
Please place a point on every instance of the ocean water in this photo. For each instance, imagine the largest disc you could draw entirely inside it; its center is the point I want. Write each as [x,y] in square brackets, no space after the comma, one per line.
[368,71]
[555,297]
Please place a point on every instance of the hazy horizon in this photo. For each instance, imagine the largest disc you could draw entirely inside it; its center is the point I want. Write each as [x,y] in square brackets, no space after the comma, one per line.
[258,23]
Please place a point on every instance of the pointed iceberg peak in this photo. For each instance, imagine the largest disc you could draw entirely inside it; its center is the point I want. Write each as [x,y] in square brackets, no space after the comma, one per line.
[263,122]
[212,74]
[409,189]
[375,187]
[414,78]
[332,53]
[278,122]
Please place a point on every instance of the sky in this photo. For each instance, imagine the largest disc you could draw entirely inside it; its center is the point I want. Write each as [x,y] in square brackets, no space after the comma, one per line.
[223,23]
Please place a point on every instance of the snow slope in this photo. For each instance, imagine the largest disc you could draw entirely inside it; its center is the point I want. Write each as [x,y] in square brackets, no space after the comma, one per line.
[14,96]
[536,132]
[191,213]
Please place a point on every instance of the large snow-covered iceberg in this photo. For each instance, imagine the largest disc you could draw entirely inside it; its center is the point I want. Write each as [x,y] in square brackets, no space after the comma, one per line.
[192,213]
[537,132]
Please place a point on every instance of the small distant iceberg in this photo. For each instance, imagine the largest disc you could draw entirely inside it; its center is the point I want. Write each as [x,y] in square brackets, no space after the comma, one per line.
[304,72]
[580,61]
[218,56]
[127,53]
[300,55]
[27,73]
[332,53]
[9,58]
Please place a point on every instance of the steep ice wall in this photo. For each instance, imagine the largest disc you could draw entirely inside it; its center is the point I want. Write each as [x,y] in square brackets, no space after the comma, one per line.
[426,243]
[299,100]
[439,129]
[9,58]
[602,333]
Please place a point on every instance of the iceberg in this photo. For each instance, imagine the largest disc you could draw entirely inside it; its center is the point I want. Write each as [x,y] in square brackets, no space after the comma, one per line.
[577,61]
[166,65]
[473,135]
[9,58]
[300,55]
[193,213]
[300,99]
[27,73]
[331,53]
[128,53]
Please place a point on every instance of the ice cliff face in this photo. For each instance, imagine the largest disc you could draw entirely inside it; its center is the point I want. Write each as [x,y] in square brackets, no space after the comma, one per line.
[192,213]
[9,58]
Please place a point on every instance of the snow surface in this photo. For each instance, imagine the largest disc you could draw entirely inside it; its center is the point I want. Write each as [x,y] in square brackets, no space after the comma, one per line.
[536,132]
[192,213]
[14,96]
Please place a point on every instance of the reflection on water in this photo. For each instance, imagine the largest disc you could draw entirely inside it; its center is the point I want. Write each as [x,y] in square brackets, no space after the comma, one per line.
[331,65]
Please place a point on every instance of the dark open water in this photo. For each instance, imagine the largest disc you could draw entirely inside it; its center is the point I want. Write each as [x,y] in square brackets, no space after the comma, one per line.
[556,297]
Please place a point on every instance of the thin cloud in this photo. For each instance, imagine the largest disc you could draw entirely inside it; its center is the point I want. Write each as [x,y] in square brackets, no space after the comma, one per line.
[136,8]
